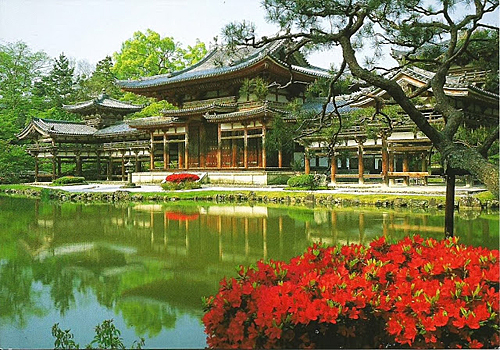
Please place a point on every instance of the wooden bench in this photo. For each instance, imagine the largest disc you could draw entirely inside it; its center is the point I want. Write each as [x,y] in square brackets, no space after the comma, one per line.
[407,175]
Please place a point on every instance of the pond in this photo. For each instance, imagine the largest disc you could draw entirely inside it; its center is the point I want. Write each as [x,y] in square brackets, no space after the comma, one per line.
[147,266]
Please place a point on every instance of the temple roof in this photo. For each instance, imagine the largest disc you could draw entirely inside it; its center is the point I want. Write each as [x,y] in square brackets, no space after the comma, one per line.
[103,103]
[220,61]
[117,129]
[315,105]
[214,106]
[61,128]
[263,111]
[48,127]
[153,121]
[455,86]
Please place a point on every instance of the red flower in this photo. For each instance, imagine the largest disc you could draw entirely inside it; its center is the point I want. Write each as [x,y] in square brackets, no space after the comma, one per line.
[475,344]
[177,178]
[415,293]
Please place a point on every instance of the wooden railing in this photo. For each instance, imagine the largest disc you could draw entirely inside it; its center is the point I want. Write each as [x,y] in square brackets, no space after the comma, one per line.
[127,145]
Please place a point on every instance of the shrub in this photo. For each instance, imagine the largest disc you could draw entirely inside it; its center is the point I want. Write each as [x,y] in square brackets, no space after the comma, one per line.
[414,293]
[107,336]
[181,182]
[69,180]
[278,180]
[302,181]
[177,178]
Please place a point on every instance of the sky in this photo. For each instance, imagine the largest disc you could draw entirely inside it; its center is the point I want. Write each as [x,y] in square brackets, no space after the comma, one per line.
[92,29]
[89,30]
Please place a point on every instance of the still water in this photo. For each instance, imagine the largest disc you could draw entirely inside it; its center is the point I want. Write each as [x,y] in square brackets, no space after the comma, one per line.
[148,266]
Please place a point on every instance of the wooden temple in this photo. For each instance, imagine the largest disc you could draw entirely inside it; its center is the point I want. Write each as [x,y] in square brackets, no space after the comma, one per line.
[215,127]
[376,152]
[101,142]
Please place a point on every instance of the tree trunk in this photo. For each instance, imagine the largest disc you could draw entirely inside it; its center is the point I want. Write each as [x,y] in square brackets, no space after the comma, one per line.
[460,157]
[457,156]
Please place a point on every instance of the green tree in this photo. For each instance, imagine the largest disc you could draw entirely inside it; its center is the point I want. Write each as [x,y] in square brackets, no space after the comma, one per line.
[404,24]
[147,54]
[57,88]
[102,78]
[19,68]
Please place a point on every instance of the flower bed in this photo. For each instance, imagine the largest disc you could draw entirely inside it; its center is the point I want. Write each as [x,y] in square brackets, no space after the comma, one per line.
[415,293]
[177,178]
[182,181]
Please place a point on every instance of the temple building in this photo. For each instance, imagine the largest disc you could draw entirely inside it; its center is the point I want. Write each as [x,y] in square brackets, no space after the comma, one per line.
[102,141]
[372,151]
[220,123]
[216,127]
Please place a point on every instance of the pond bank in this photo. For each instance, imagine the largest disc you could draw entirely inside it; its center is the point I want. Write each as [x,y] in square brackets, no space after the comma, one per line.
[412,197]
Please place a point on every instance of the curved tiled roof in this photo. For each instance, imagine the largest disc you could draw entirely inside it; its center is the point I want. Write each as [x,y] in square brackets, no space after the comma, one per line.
[59,127]
[117,129]
[103,102]
[153,121]
[454,86]
[55,128]
[263,110]
[219,62]
[219,107]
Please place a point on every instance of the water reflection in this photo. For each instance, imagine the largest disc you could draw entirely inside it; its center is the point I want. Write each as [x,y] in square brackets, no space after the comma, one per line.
[151,264]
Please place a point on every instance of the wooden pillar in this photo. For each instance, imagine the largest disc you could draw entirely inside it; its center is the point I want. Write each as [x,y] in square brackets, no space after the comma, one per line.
[165,152]
[307,163]
[361,166]
[219,146]
[385,160]
[186,148]
[98,165]
[333,169]
[450,204]
[152,153]
[203,147]
[54,165]
[233,153]
[36,168]
[264,157]
[180,155]
[123,167]
[78,164]
[280,158]
[424,166]
[406,168]
[59,170]
[137,163]
[391,166]
[110,168]
[245,147]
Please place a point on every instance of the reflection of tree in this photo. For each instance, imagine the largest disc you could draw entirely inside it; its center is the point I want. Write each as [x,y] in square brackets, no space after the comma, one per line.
[18,300]
[147,317]
[61,291]
[153,269]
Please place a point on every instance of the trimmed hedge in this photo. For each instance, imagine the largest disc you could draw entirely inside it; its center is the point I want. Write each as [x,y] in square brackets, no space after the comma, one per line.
[302,181]
[69,180]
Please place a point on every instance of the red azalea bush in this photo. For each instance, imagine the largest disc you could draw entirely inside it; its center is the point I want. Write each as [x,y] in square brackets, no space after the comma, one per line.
[178,178]
[420,293]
